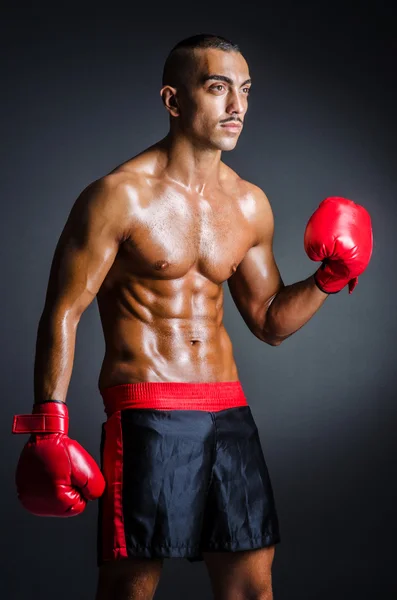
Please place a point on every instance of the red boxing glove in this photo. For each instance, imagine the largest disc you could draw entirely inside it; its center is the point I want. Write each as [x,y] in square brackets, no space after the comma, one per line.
[339,233]
[55,476]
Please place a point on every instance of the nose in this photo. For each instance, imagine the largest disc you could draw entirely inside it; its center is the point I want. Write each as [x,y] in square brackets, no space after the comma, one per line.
[236,103]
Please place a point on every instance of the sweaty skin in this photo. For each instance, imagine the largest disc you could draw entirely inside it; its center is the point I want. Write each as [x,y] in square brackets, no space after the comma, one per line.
[161,304]
[154,241]
[155,255]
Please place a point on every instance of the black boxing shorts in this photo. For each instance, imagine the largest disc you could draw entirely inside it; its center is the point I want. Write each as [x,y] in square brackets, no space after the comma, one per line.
[185,473]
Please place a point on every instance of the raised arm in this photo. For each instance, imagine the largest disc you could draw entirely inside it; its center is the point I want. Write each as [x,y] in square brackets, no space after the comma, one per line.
[271,310]
[84,254]
[257,279]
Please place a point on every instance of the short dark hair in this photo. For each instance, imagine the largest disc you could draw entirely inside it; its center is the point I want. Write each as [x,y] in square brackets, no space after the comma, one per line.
[178,65]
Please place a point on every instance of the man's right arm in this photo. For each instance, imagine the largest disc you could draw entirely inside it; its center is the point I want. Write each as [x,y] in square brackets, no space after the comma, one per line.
[86,250]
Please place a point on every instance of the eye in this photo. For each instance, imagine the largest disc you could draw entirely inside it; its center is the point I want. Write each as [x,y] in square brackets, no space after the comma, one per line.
[247,90]
[219,87]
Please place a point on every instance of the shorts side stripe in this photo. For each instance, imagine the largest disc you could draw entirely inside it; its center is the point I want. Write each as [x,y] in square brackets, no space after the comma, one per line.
[113,533]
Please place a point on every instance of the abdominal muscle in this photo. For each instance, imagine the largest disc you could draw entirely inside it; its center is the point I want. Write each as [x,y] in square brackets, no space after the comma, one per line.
[164,337]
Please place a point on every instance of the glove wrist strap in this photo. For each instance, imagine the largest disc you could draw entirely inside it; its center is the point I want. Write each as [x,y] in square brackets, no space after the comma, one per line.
[47,417]
[330,283]
[321,285]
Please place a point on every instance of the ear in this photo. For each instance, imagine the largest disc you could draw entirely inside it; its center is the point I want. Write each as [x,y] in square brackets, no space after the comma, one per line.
[169,97]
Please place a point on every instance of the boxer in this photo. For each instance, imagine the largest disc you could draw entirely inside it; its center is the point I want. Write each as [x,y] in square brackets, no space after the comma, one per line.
[182,468]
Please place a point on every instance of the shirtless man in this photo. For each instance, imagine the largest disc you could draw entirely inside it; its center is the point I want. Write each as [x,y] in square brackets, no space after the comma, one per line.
[153,241]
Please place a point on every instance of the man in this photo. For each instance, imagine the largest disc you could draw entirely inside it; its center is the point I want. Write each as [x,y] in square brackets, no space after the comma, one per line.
[153,241]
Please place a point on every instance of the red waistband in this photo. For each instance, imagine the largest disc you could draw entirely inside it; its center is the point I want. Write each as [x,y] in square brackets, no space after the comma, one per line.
[207,396]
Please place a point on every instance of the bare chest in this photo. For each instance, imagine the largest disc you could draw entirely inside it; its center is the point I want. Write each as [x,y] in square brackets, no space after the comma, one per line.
[175,234]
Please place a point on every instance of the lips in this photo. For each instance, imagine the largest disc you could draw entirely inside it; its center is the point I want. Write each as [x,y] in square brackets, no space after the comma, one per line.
[232,125]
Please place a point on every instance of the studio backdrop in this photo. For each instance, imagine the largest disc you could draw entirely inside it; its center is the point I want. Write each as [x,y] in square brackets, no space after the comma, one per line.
[80,95]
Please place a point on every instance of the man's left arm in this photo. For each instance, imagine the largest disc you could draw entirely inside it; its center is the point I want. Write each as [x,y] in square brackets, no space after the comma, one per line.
[272,311]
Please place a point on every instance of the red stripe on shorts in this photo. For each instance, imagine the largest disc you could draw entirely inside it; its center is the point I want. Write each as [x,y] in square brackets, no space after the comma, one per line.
[113,537]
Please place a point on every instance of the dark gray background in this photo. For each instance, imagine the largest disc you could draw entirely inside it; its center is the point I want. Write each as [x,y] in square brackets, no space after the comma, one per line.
[80,95]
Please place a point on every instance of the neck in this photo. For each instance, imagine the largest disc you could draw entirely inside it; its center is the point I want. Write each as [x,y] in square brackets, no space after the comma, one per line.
[189,164]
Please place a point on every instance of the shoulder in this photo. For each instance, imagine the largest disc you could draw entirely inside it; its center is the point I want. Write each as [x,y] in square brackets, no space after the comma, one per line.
[104,204]
[263,218]
[254,203]
[256,194]
[108,193]
[135,180]
[242,188]
[118,190]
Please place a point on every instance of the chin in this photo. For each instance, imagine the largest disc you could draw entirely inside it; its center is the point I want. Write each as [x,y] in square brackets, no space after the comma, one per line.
[226,144]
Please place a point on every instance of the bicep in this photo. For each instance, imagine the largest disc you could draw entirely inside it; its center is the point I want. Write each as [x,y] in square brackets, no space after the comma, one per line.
[85,251]
[257,279]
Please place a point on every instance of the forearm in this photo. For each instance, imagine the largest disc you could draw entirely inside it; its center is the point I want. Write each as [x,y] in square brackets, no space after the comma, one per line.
[293,306]
[55,347]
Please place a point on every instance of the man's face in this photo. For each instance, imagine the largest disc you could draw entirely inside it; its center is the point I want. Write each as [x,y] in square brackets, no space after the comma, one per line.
[214,103]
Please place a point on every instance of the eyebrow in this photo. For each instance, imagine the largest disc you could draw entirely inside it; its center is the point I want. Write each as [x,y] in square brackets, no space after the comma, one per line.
[222,78]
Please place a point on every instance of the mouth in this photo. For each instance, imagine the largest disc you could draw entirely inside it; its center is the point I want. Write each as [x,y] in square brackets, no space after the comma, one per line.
[232,126]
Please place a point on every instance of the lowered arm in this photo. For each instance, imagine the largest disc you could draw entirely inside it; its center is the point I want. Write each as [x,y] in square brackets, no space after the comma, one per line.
[84,254]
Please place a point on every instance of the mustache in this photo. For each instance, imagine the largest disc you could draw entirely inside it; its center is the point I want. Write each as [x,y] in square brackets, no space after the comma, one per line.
[232,120]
